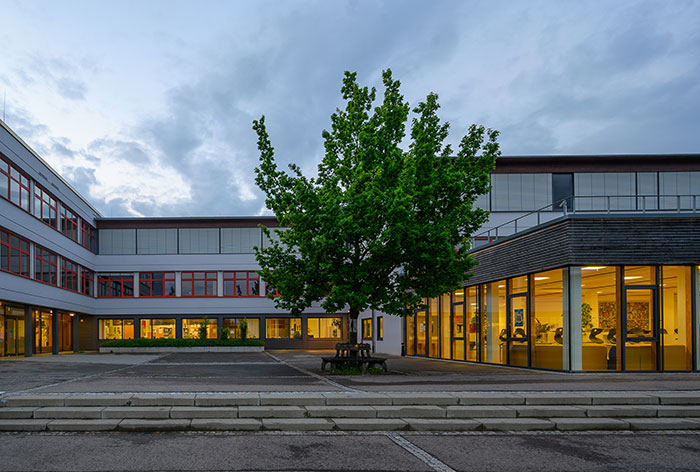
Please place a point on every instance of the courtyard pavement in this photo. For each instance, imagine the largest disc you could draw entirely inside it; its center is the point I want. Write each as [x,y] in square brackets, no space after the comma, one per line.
[299,371]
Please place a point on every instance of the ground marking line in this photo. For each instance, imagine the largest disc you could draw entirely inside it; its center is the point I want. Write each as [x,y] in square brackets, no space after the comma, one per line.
[419,453]
[316,376]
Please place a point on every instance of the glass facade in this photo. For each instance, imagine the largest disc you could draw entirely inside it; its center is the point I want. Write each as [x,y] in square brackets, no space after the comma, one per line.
[325,328]
[580,318]
[283,328]
[191,327]
[233,325]
[157,328]
[116,329]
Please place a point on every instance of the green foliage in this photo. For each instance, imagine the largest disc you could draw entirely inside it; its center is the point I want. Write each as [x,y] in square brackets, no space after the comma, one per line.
[225,333]
[180,342]
[379,226]
[243,327]
[586,316]
[202,330]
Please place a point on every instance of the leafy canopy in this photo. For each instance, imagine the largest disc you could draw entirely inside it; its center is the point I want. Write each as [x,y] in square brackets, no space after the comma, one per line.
[380,227]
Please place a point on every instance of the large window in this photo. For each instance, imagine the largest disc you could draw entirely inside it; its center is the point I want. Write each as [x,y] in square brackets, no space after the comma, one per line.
[14,185]
[283,328]
[116,329]
[45,206]
[493,324]
[240,240]
[157,240]
[380,328]
[69,275]
[241,284]
[198,240]
[88,236]
[87,282]
[157,328]
[677,329]
[605,190]
[14,253]
[69,223]
[157,284]
[367,328]
[117,241]
[520,192]
[115,285]
[190,328]
[548,325]
[234,327]
[45,266]
[199,284]
[325,328]
[600,313]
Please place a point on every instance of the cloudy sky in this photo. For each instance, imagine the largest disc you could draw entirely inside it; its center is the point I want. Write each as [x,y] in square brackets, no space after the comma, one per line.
[146,107]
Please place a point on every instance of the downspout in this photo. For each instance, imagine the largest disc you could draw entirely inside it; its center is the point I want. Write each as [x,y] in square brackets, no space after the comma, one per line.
[374,332]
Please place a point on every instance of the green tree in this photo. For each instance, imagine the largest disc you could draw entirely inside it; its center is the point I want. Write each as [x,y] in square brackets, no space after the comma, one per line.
[380,227]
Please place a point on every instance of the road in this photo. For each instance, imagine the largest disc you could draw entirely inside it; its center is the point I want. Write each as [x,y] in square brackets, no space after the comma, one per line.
[349,452]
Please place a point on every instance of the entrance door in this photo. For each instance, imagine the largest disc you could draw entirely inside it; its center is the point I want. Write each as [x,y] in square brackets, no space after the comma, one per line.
[640,324]
[14,336]
[421,333]
[518,327]
[43,332]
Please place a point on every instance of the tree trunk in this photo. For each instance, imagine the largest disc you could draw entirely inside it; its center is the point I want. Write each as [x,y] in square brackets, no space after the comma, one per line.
[352,336]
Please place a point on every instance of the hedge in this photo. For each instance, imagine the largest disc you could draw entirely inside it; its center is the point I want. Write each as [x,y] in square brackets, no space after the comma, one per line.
[180,342]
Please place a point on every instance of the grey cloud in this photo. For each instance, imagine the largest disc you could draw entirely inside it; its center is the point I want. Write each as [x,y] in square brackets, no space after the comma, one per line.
[129,151]
[60,73]
[71,88]
[82,178]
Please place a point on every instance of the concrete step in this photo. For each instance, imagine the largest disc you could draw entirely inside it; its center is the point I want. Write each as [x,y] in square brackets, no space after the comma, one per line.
[443,400]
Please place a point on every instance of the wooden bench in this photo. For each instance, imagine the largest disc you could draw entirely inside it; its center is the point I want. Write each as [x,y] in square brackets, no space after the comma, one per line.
[357,355]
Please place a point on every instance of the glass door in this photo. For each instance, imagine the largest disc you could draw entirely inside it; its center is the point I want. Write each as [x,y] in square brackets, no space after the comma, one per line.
[14,336]
[458,326]
[641,328]
[517,337]
[421,333]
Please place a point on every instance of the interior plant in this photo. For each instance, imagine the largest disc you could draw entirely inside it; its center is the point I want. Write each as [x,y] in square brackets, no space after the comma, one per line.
[203,328]
[243,327]
[225,332]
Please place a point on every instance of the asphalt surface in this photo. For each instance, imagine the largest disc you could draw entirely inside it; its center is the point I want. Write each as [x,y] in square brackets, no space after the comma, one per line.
[298,371]
[349,452]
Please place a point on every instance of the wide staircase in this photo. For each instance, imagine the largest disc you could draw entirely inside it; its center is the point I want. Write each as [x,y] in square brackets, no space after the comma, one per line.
[482,411]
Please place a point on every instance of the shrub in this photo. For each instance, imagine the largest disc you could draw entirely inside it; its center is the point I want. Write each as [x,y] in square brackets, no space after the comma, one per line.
[180,342]
[225,333]
[243,327]
[203,328]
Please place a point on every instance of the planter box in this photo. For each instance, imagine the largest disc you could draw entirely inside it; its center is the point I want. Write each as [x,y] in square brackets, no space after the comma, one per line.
[157,350]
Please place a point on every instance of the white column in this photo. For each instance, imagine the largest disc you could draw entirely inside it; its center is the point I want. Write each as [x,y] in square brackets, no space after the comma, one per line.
[137,290]
[573,342]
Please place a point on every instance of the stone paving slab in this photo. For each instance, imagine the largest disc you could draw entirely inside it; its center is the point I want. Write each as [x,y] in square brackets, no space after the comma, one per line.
[297,424]
[340,399]
[412,411]
[35,400]
[619,411]
[153,425]
[98,400]
[662,423]
[550,411]
[23,425]
[678,410]
[192,412]
[481,412]
[83,425]
[152,399]
[244,399]
[679,398]
[475,398]
[341,411]
[64,412]
[427,424]
[218,424]
[20,412]
[136,412]
[439,399]
[556,398]
[515,424]
[376,424]
[623,398]
[589,424]
[271,412]
[292,399]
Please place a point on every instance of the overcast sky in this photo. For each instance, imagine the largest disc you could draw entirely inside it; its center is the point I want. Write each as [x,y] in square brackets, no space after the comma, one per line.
[146,107]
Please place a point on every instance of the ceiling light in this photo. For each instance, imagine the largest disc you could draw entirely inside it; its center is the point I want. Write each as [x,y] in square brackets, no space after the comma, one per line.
[632,277]
[541,278]
[593,267]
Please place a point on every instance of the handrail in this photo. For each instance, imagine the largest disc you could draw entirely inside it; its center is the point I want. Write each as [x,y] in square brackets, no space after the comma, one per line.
[580,204]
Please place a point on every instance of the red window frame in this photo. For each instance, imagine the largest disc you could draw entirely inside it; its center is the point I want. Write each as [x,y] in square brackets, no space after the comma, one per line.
[45,266]
[248,279]
[87,282]
[19,251]
[18,181]
[88,236]
[115,286]
[69,275]
[45,207]
[69,223]
[192,280]
[148,279]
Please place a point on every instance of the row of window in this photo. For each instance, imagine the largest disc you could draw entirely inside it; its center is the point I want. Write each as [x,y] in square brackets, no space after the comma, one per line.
[15,256]
[15,187]
[367,328]
[275,328]
[192,284]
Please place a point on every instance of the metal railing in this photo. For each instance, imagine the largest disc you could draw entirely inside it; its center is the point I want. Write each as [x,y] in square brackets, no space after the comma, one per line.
[590,205]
